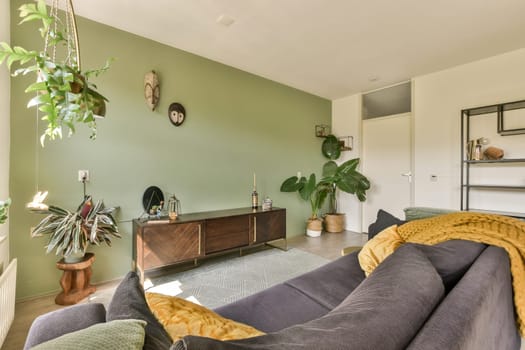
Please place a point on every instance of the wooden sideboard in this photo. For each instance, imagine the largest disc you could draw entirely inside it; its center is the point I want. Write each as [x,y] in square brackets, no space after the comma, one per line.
[161,243]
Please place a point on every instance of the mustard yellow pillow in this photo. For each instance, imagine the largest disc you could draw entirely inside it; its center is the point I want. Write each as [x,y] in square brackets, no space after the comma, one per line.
[182,317]
[379,248]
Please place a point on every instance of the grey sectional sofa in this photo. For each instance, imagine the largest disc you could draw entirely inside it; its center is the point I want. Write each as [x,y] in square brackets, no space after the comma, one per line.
[454,295]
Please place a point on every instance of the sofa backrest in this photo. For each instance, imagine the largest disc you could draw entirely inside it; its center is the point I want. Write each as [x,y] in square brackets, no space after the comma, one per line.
[478,313]
[384,312]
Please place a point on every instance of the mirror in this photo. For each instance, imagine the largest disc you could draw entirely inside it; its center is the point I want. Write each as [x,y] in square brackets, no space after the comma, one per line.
[152,197]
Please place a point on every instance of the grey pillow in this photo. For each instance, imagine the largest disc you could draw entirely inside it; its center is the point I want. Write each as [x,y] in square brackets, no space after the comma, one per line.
[452,258]
[384,312]
[115,335]
[129,302]
[384,219]
[56,323]
[415,213]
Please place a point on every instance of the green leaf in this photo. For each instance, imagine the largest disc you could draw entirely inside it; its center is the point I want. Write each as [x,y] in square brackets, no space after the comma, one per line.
[5,47]
[308,188]
[331,148]
[348,166]
[291,184]
[27,9]
[36,87]
[39,99]
[354,183]
[42,8]
[330,168]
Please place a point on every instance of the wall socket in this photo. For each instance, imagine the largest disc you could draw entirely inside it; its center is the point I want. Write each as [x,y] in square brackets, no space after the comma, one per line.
[83,175]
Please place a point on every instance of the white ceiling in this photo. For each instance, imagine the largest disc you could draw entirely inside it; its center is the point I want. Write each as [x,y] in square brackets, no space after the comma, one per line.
[330,48]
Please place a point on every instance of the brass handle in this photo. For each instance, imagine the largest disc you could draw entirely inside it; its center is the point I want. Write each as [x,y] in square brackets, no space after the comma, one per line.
[254,229]
[200,234]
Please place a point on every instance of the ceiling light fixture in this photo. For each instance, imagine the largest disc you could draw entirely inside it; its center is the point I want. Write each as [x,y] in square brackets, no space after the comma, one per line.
[225,20]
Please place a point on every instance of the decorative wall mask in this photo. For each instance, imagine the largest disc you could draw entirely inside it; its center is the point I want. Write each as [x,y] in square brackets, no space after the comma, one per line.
[151,89]
[176,113]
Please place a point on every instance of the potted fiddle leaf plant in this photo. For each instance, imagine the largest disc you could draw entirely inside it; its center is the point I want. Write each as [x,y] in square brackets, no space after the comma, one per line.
[70,232]
[63,92]
[4,208]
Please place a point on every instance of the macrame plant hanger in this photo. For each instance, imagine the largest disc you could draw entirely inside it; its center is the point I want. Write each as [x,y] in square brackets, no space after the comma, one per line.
[72,57]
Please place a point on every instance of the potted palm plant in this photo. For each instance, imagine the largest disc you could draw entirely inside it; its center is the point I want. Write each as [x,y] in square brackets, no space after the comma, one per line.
[63,92]
[70,232]
[344,177]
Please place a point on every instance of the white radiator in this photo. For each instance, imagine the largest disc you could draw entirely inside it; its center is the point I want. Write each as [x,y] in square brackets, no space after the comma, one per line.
[7,298]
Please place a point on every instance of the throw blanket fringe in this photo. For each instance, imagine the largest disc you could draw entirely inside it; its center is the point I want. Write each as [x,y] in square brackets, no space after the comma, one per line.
[502,231]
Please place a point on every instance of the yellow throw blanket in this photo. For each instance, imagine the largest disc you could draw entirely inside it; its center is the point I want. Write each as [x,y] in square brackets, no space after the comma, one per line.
[502,231]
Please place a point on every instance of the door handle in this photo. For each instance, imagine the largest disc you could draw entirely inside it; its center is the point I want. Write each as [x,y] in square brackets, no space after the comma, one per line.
[408,175]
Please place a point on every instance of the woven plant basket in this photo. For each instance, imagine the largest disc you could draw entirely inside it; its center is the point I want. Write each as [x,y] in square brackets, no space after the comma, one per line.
[334,223]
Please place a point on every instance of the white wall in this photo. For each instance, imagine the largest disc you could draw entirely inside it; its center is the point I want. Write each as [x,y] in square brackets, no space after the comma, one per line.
[4,122]
[346,121]
[438,100]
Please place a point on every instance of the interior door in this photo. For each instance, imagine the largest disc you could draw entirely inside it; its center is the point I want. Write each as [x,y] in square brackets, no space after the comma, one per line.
[387,164]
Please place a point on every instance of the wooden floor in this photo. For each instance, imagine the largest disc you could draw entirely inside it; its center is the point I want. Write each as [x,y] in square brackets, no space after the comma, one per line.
[329,246]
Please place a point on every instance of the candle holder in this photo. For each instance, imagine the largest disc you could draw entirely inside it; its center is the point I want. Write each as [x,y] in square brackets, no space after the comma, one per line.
[173,207]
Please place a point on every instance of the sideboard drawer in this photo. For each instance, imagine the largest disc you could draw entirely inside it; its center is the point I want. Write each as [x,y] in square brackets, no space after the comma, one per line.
[168,244]
[227,233]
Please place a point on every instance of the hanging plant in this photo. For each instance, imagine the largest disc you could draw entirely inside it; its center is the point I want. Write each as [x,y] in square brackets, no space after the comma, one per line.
[64,94]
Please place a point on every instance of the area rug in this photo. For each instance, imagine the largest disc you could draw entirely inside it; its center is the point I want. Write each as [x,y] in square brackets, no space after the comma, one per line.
[225,280]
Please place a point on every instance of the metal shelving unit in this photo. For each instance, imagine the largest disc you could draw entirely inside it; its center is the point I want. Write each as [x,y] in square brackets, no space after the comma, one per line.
[466,185]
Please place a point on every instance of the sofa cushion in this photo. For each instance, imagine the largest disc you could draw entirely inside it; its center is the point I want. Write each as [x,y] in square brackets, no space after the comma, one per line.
[128,302]
[379,248]
[384,219]
[60,322]
[330,284]
[114,335]
[416,213]
[383,312]
[452,258]
[274,308]
[181,317]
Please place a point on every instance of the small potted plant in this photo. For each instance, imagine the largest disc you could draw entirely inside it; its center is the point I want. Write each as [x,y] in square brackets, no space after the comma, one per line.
[64,93]
[309,191]
[4,209]
[344,177]
[70,232]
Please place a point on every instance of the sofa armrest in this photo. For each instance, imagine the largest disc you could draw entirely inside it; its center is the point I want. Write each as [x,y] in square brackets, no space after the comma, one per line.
[60,322]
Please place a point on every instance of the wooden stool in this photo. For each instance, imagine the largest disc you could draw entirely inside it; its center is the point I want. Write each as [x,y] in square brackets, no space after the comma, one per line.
[75,280]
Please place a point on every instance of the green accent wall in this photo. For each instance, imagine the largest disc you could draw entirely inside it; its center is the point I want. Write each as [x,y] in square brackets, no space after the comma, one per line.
[237,123]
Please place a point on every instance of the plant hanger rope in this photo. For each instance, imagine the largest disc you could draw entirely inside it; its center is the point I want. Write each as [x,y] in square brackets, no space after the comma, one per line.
[71,33]
[65,96]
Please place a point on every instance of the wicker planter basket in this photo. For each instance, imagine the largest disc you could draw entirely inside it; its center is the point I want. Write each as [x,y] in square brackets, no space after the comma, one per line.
[314,227]
[334,223]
